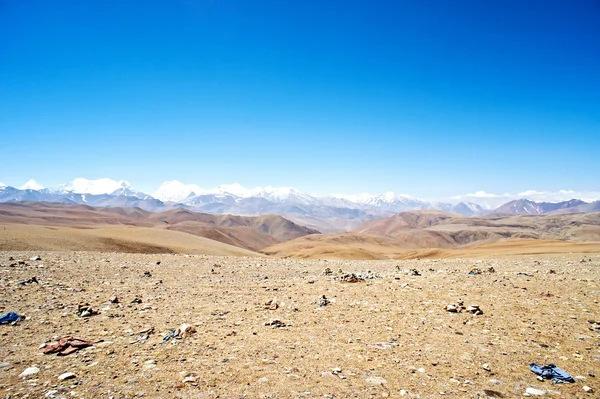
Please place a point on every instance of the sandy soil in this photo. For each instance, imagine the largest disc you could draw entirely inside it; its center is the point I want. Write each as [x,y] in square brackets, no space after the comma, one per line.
[386,337]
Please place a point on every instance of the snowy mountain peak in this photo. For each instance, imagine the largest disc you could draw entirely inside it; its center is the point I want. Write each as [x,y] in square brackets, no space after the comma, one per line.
[176,191]
[281,194]
[31,185]
[232,189]
[2,184]
[94,187]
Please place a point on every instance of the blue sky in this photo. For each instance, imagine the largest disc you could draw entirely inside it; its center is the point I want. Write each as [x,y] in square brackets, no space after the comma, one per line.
[429,98]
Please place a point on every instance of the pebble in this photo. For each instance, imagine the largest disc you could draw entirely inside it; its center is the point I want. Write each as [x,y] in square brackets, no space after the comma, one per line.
[66,376]
[29,371]
[263,380]
[376,380]
[533,391]
[588,389]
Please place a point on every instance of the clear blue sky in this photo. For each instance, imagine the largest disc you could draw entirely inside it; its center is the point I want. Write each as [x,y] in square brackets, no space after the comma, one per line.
[430,98]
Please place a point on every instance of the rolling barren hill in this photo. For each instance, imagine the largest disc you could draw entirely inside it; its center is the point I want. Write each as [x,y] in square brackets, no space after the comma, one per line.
[434,233]
[340,246]
[252,233]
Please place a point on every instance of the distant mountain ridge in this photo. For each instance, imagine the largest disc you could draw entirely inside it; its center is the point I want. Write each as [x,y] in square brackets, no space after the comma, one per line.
[326,214]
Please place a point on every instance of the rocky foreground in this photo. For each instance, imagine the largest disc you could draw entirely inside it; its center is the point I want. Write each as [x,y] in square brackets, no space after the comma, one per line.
[177,326]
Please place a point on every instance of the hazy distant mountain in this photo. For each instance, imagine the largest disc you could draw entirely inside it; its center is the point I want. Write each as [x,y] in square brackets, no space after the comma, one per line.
[326,214]
[527,207]
[468,209]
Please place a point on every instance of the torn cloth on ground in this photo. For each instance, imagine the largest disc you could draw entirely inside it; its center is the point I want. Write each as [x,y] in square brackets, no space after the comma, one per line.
[552,373]
[9,317]
[67,345]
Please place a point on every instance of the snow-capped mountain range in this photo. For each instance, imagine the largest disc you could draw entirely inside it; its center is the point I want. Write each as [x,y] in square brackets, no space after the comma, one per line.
[329,213]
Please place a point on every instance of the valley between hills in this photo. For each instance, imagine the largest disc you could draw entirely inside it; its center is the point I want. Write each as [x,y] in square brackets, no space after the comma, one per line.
[412,234]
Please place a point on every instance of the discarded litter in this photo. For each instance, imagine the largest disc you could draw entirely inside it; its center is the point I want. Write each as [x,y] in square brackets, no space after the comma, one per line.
[167,338]
[551,372]
[9,317]
[67,345]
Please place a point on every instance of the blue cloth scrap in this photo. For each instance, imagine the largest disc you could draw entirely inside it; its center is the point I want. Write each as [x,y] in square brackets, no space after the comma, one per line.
[9,317]
[551,372]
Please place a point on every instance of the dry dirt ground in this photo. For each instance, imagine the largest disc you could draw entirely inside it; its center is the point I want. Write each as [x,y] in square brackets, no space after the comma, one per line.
[384,337]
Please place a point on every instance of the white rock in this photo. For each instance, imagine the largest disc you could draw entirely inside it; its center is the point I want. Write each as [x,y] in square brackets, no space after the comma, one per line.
[29,371]
[376,380]
[588,389]
[533,391]
[66,376]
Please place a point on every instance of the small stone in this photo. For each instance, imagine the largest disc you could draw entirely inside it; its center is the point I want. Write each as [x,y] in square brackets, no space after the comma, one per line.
[533,391]
[29,371]
[451,308]
[66,376]
[263,380]
[486,367]
[190,379]
[588,389]
[376,380]
[421,370]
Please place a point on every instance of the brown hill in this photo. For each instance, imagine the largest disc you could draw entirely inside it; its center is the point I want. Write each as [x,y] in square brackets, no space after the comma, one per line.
[339,246]
[404,221]
[253,233]
[439,234]
[23,237]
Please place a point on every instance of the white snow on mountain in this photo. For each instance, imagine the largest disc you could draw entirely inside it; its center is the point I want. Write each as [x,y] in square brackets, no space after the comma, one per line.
[2,184]
[389,198]
[235,189]
[176,191]
[94,187]
[31,185]
[283,194]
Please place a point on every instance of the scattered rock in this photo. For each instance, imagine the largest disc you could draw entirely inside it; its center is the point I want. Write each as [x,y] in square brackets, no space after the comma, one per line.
[323,301]
[588,389]
[533,391]
[66,376]
[275,323]
[29,371]
[376,380]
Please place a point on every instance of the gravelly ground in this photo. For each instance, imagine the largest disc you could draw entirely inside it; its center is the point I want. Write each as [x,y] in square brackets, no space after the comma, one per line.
[386,337]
